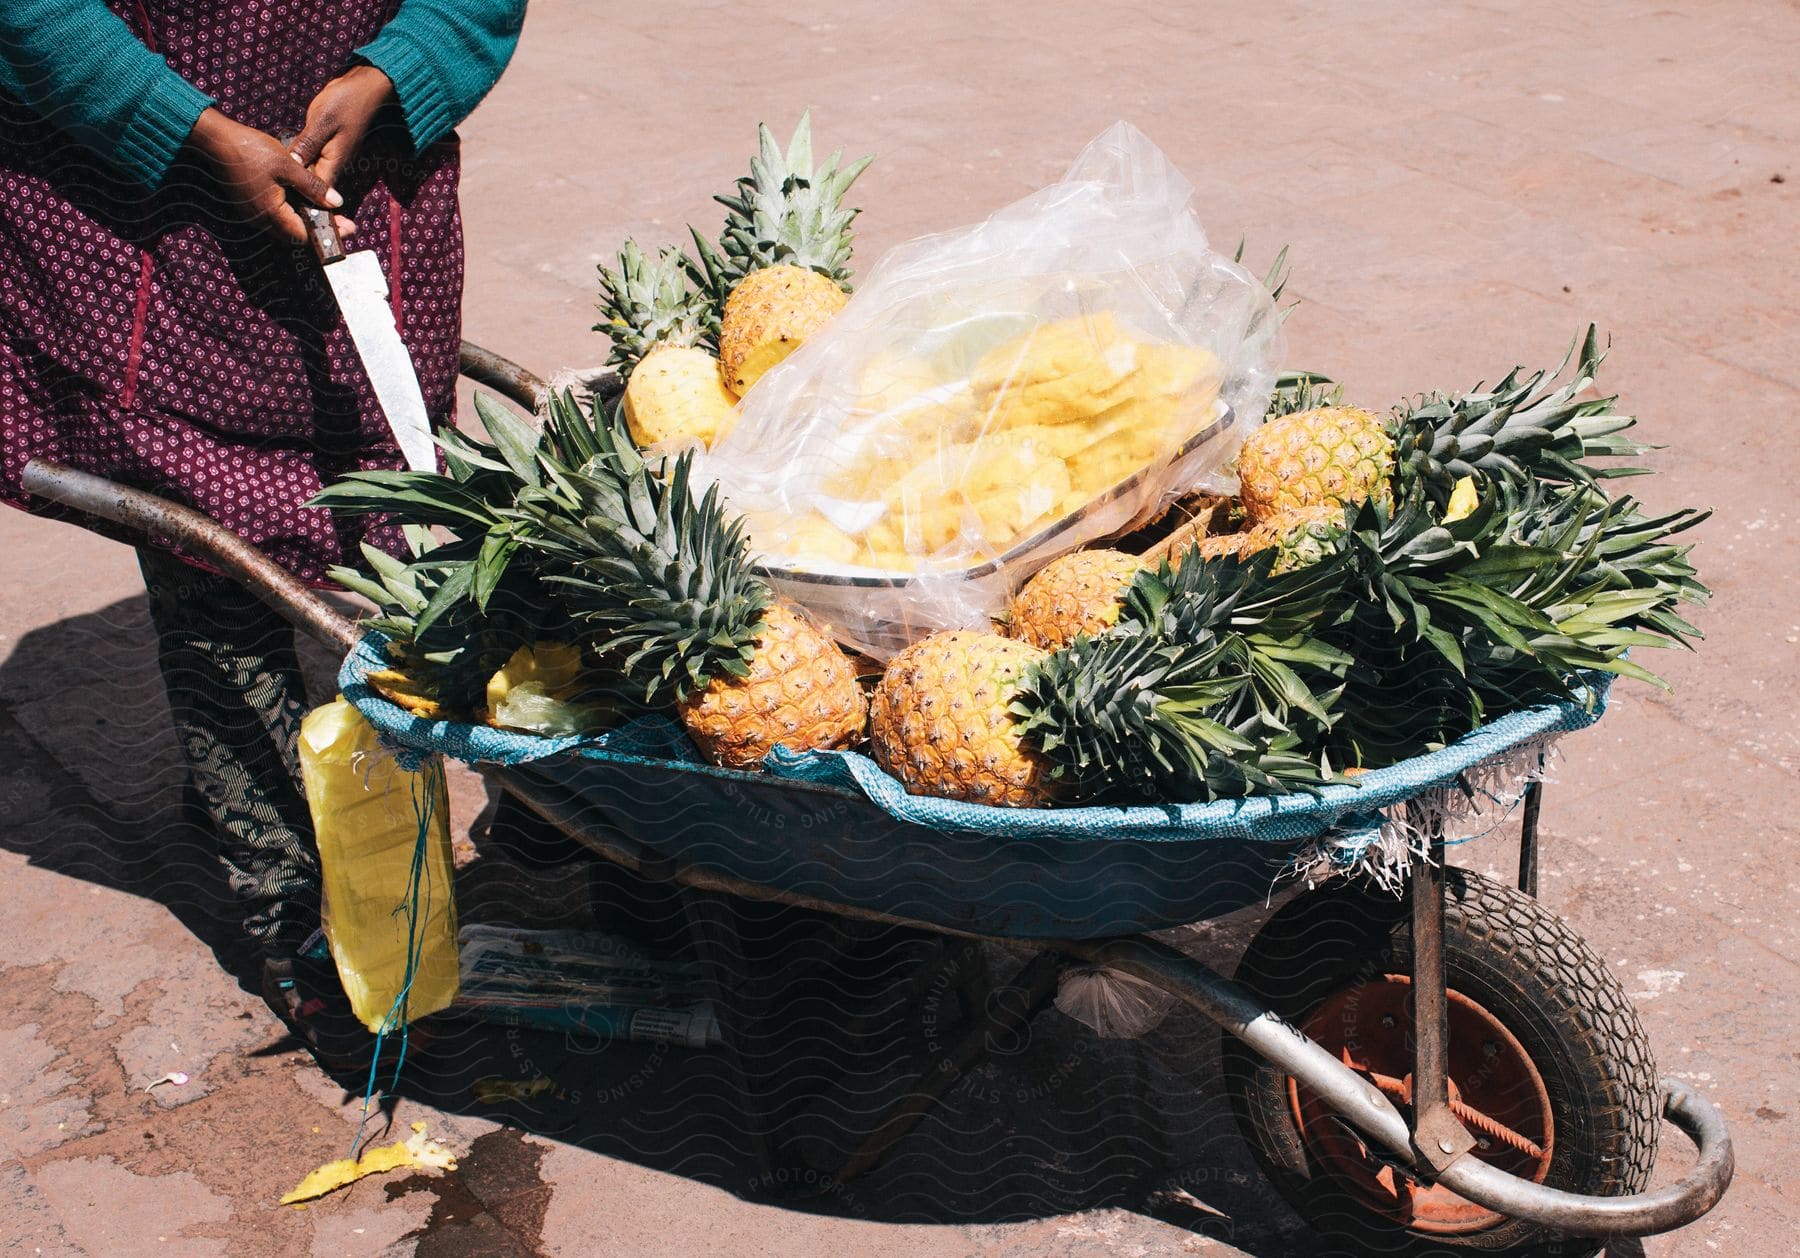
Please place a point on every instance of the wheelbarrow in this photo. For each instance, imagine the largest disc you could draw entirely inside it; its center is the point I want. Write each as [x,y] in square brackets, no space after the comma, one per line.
[1441,1070]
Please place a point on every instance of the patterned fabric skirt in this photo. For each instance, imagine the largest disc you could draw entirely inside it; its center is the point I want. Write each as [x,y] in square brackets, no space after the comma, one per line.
[159,341]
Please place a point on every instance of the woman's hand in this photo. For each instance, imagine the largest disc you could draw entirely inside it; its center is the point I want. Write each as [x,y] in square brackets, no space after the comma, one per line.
[338,118]
[255,174]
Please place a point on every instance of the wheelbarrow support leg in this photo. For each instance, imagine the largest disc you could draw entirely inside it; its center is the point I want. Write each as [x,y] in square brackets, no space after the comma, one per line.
[1437,1135]
[1528,839]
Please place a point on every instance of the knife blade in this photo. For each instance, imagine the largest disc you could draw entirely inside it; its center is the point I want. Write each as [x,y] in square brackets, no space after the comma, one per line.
[362,296]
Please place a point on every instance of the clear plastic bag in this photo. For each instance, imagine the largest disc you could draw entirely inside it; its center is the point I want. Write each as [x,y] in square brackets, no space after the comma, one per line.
[996,396]
[1112,1004]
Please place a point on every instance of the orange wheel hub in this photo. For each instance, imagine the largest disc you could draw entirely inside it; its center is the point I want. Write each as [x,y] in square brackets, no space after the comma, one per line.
[1495,1091]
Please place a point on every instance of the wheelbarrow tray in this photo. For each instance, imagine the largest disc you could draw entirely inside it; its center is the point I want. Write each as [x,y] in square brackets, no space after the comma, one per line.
[833,826]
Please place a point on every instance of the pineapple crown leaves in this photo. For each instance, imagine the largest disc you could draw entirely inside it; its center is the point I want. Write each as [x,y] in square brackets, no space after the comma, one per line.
[661,579]
[646,303]
[1126,715]
[1297,391]
[786,211]
[399,591]
[434,629]
[1515,431]
[712,275]
[1275,279]
[1277,616]
[472,497]
[1243,595]
[1555,578]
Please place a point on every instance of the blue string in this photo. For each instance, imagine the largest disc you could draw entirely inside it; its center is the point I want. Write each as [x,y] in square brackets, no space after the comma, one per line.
[427,783]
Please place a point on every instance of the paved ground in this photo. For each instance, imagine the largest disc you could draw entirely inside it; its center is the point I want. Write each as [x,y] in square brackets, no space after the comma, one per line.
[1464,187]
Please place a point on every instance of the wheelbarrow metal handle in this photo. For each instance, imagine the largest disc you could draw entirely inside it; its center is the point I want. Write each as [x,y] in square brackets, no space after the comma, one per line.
[198,535]
[521,387]
[206,538]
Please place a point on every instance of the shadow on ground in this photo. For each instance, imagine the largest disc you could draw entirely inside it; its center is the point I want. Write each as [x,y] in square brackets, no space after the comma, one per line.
[830,1023]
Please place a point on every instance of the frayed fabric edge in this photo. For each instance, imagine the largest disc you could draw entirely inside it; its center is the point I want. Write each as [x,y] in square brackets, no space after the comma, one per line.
[1479,800]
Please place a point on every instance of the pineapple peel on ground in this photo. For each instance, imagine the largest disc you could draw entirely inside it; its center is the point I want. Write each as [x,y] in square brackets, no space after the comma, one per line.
[1330,455]
[676,395]
[1078,593]
[941,720]
[768,314]
[419,1152]
[800,693]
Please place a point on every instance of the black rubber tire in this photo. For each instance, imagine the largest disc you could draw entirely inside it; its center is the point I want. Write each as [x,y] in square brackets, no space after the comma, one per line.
[1532,973]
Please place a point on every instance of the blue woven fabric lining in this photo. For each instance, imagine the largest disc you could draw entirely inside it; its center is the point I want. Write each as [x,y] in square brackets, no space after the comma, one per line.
[1354,810]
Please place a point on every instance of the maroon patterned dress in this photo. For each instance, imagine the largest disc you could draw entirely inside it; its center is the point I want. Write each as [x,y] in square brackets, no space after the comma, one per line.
[157,340]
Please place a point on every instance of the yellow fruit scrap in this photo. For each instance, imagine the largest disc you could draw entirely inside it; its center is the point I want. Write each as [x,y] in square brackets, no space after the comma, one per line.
[541,690]
[420,1152]
[1463,500]
[404,691]
[553,665]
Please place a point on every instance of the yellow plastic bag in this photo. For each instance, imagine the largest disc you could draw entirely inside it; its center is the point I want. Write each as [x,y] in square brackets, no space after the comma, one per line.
[384,901]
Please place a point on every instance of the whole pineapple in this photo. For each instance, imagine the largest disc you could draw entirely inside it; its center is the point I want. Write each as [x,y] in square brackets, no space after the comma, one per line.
[662,584]
[786,255]
[660,328]
[800,691]
[1201,691]
[1327,455]
[1316,451]
[1075,594]
[941,721]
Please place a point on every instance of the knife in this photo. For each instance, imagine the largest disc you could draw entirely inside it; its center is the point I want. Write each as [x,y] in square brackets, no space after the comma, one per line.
[362,295]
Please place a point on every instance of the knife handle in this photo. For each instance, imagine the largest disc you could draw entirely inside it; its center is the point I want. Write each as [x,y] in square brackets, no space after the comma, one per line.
[324,236]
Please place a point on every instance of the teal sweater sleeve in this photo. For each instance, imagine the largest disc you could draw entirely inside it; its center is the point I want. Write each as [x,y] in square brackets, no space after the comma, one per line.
[78,66]
[443,56]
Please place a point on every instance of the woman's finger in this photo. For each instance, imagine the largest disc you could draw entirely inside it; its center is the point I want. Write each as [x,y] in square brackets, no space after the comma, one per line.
[280,217]
[308,185]
[332,157]
[311,141]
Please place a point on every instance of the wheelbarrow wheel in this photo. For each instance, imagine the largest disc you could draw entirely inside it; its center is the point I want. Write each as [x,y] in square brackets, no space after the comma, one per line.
[1550,1069]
